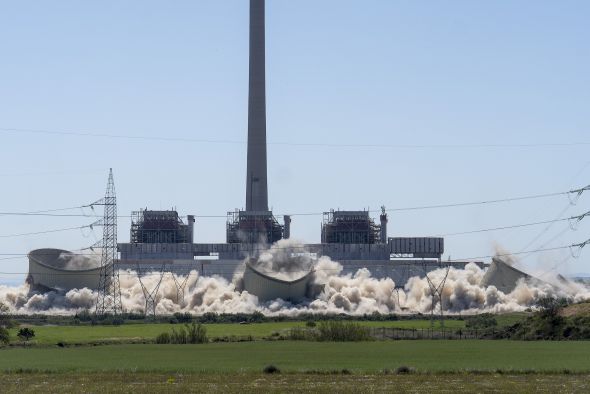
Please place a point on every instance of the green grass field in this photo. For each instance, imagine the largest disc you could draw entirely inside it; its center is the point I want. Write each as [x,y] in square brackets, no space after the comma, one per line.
[359,357]
[87,365]
[50,335]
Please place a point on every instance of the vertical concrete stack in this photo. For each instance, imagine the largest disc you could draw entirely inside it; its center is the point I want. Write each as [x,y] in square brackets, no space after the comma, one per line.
[256,187]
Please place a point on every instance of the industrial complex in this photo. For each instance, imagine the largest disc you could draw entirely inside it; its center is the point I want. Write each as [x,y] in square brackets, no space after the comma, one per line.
[165,241]
[353,238]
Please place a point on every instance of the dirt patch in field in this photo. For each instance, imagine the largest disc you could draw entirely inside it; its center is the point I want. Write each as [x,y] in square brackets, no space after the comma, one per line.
[294,383]
[576,310]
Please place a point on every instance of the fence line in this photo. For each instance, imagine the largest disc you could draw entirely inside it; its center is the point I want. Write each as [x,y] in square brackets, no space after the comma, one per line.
[430,333]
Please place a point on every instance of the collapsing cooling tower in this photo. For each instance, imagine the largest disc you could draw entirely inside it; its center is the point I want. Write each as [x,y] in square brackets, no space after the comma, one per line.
[51,269]
[503,276]
[267,288]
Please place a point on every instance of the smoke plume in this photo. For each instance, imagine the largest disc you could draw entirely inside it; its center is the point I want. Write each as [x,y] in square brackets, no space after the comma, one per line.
[71,261]
[285,259]
[353,293]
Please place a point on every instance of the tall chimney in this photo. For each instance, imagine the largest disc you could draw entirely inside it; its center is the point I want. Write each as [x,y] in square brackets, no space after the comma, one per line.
[191,228]
[256,187]
[383,219]
[287,228]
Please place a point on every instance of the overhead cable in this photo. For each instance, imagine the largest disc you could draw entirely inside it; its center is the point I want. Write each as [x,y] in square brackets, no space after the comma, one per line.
[577,192]
[301,144]
[44,232]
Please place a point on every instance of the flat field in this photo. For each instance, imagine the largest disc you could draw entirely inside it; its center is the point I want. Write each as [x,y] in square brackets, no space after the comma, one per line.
[291,383]
[51,335]
[425,356]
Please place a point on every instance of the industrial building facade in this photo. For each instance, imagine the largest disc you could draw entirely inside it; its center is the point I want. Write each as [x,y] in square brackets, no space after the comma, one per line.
[353,238]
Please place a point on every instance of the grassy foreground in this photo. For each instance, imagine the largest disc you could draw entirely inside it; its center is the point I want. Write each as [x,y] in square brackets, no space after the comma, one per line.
[256,383]
[50,335]
[358,357]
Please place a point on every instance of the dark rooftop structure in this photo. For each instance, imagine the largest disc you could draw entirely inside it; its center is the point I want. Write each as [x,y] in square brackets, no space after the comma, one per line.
[151,227]
[350,227]
[253,228]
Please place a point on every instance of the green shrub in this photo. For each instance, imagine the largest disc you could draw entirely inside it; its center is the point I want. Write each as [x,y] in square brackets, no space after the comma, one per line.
[550,306]
[84,315]
[5,320]
[107,320]
[209,317]
[298,334]
[257,317]
[190,333]
[342,331]
[163,338]
[402,370]
[544,325]
[4,336]
[196,333]
[178,337]
[271,369]
[310,323]
[183,317]
[26,333]
[484,320]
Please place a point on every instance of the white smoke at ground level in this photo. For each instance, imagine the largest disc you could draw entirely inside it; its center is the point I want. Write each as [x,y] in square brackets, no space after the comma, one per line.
[72,261]
[355,293]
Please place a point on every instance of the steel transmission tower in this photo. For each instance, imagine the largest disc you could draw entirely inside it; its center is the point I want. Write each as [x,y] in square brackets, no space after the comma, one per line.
[109,288]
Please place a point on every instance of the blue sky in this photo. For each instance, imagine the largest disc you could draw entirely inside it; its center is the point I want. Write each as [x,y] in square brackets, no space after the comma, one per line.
[338,72]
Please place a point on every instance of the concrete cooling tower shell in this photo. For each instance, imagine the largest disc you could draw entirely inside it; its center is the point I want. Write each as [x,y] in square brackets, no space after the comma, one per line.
[503,276]
[51,269]
[268,288]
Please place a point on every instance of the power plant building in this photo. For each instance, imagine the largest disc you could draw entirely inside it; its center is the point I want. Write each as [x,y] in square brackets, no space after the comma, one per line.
[350,227]
[164,227]
[353,238]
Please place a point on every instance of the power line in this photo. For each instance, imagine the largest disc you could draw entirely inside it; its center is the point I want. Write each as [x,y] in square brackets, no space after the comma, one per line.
[44,232]
[54,215]
[510,199]
[72,252]
[580,245]
[300,144]
[576,218]
[47,211]
[550,241]
[502,228]
[577,192]
[547,228]
[512,254]
[306,247]
[60,209]
[568,258]
[438,235]
[41,173]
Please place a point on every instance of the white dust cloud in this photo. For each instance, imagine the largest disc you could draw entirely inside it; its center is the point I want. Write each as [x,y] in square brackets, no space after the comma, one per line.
[75,262]
[285,260]
[355,293]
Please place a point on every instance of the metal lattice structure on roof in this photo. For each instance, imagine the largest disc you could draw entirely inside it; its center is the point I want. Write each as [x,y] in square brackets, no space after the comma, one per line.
[250,227]
[160,227]
[349,227]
